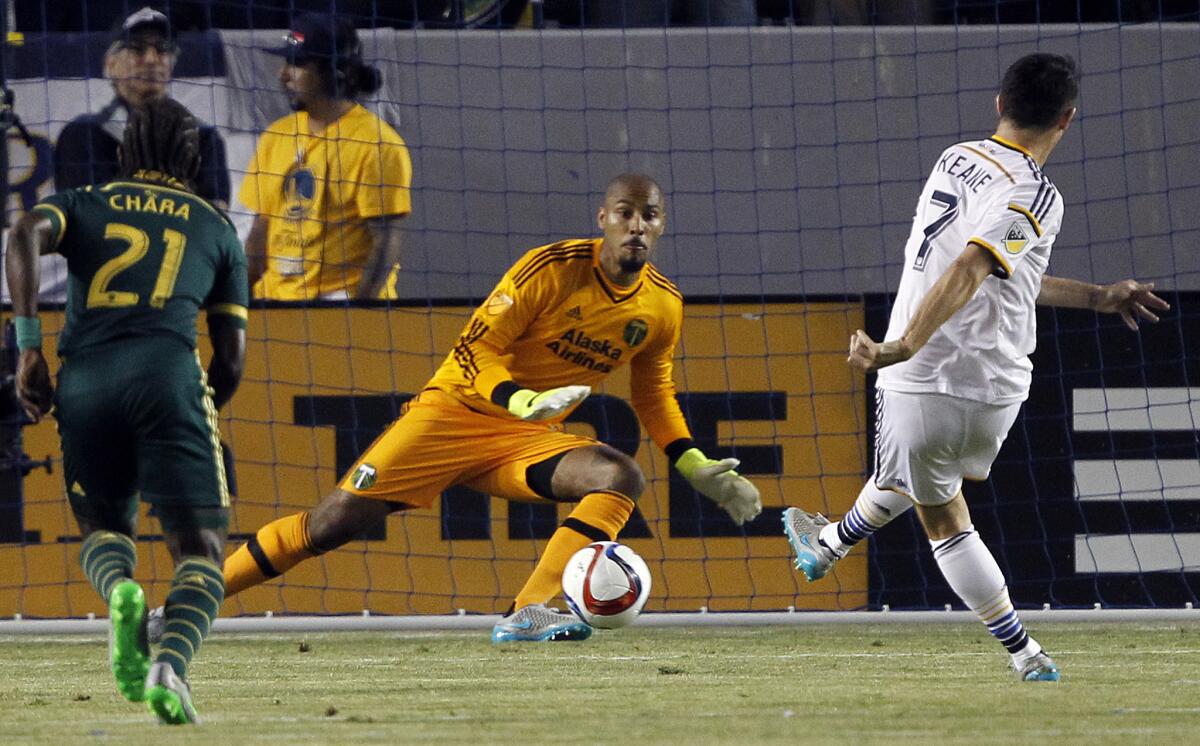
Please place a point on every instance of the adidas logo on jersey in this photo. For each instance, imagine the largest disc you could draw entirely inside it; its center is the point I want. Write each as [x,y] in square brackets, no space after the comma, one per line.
[1015,239]
[575,313]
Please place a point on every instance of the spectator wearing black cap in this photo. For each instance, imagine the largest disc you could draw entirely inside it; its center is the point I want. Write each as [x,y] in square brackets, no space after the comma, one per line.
[329,183]
[139,62]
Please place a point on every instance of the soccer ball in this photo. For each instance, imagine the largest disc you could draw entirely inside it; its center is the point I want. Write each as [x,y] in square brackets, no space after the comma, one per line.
[606,584]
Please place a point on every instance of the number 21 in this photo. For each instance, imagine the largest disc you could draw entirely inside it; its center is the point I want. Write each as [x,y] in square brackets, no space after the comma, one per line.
[99,296]
[933,229]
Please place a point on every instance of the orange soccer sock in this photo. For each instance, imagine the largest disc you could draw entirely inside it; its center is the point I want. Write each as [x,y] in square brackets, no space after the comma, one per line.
[276,548]
[599,516]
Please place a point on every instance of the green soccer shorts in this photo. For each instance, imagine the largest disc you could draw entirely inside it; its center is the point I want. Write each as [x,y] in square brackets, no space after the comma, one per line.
[137,418]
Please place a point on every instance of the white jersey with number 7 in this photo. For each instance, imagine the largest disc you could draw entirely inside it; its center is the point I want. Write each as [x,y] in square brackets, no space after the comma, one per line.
[990,193]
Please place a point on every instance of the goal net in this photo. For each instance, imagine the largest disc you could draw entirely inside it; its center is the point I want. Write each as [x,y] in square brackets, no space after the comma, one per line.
[791,159]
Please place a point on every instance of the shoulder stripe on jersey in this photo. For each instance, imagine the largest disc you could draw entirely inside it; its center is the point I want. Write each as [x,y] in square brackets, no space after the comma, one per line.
[147,185]
[1033,166]
[231,309]
[546,260]
[651,269]
[463,354]
[992,160]
[62,220]
[664,283]
[553,248]
[1037,227]
[1004,271]
[1037,200]
[1051,196]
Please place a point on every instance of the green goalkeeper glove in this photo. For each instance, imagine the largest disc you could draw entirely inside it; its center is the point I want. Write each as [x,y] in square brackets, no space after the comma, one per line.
[533,405]
[718,481]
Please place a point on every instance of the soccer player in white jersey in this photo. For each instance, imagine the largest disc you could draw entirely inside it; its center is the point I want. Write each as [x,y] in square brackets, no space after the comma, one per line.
[955,366]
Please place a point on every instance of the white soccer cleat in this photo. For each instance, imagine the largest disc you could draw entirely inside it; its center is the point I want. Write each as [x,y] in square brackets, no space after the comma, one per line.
[1040,667]
[537,623]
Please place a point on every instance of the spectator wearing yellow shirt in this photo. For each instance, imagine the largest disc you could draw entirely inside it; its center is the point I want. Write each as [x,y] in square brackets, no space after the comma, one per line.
[328,183]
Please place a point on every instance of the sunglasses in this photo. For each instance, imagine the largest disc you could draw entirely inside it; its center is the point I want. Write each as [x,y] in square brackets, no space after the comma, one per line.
[141,46]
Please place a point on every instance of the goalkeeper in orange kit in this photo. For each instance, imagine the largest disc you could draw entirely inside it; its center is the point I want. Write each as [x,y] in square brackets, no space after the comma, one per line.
[561,319]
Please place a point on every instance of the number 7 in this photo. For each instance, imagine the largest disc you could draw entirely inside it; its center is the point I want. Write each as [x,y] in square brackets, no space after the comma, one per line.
[933,229]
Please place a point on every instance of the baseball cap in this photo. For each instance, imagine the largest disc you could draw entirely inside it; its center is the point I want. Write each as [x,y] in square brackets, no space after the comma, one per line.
[146,19]
[319,37]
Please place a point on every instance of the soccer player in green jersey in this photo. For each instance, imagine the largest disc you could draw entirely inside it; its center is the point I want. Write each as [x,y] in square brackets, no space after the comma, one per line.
[136,411]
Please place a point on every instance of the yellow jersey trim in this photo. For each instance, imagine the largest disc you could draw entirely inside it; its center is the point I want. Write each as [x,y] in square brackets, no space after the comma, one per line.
[1011,145]
[1004,265]
[1037,227]
[991,160]
[231,309]
[62,221]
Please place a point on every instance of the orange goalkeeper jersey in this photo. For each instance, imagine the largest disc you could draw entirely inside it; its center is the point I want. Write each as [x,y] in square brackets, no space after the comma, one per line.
[555,319]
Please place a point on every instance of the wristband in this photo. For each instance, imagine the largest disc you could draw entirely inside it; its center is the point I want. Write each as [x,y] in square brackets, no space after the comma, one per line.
[29,332]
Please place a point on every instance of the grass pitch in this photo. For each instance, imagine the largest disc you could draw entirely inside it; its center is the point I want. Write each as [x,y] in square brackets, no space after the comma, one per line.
[852,684]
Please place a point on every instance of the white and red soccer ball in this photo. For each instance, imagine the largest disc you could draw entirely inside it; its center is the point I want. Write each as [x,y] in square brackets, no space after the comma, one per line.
[606,584]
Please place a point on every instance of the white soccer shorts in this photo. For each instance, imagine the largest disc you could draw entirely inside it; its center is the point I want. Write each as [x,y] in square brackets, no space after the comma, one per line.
[926,444]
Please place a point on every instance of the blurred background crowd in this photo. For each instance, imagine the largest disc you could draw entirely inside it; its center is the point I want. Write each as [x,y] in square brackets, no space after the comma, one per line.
[32,16]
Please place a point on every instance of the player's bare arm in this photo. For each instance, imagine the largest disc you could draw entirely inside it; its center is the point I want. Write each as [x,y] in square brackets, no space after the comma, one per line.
[1131,299]
[228,359]
[32,236]
[386,234]
[256,249]
[951,292]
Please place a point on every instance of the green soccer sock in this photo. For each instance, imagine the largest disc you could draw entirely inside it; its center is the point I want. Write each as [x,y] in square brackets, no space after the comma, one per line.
[107,558]
[192,604]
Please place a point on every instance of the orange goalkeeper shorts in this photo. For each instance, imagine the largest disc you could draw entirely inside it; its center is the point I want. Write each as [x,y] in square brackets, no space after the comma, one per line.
[439,442]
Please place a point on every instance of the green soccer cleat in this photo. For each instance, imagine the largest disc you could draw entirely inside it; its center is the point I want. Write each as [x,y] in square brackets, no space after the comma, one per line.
[169,697]
[127,648]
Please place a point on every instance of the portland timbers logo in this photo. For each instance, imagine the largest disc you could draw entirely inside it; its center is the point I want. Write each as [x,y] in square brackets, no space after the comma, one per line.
[364,477]
[635,332]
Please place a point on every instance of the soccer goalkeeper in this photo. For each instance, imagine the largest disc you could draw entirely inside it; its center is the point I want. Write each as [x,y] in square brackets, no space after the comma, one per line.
[562,319]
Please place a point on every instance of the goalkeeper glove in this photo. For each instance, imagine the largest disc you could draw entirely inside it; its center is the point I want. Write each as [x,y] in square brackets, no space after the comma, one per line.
[534,405]
[718,481]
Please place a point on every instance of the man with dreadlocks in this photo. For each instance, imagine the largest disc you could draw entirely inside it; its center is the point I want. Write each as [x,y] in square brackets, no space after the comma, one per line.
[136,411]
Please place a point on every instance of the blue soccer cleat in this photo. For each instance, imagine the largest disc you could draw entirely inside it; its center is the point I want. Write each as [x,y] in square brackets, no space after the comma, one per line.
[803,532]
[536,623]
[1038,668]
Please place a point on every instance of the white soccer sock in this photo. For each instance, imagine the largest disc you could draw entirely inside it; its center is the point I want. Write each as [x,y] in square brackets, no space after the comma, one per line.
[973,574]
[873,510]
